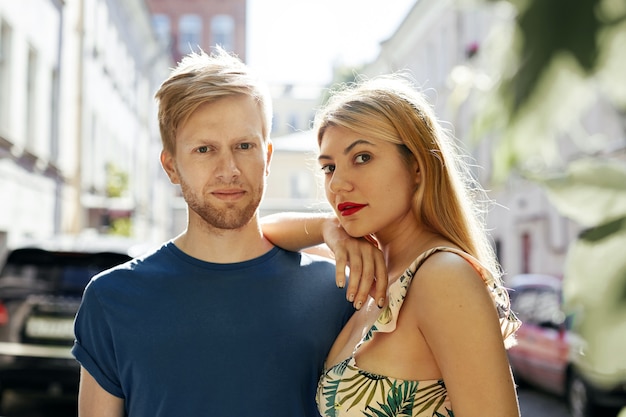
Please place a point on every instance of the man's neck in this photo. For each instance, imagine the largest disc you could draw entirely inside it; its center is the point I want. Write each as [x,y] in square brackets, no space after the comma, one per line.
[222,245]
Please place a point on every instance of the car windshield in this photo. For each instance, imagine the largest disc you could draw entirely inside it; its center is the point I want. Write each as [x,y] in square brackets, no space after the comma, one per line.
[57,272]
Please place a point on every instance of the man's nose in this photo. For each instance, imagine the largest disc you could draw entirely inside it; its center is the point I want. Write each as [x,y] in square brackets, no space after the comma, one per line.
[227,166]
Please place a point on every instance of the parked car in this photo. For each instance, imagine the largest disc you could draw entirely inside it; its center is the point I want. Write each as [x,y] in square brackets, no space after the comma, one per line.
[550,354]
[41,285]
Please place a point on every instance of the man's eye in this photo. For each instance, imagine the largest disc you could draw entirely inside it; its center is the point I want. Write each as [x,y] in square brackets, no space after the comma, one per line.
[203,149]
[245,146]
[328,169]
[360,159]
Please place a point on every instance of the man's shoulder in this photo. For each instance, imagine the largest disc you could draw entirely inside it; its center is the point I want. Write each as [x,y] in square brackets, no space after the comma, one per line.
[307,258]
[317,259]
[150,260]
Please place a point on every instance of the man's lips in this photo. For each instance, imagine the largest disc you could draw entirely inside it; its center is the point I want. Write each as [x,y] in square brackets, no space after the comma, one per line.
[348,208]
[228,194]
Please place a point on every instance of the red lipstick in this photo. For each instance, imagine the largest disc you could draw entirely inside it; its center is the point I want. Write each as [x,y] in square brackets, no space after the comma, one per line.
[348,208]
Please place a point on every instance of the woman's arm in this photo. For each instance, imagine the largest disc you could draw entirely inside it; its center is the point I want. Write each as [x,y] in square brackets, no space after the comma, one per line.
[460,324]
[295,231]
[364,261]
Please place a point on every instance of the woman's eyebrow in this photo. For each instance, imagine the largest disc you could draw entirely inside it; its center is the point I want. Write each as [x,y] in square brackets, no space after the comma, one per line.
[349,148]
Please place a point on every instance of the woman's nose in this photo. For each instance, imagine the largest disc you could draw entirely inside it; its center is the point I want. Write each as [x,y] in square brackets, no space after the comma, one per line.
[339,182]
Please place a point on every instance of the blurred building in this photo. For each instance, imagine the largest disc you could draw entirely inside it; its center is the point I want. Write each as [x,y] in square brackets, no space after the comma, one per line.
[32,173]
[293,184]
[442,43]
[78,137]
[190,25]
[294,108]
[185,26]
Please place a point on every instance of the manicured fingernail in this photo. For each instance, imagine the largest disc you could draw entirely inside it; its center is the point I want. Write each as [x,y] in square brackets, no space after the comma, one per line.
[358,305]
[351,297]
[381,303]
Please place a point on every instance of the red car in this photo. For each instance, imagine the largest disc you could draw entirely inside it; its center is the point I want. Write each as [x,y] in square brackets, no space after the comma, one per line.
[549,354]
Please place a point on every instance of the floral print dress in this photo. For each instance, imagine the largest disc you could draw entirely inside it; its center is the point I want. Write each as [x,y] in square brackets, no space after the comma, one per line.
[346,391]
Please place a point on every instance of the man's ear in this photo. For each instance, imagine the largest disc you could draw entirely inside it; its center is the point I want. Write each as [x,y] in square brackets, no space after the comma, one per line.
[167,162]
[270,152]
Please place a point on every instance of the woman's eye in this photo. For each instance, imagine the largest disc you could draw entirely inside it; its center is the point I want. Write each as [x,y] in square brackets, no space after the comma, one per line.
[328,169]
[360,159]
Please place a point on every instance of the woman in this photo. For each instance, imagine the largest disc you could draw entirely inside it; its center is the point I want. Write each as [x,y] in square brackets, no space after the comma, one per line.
[437,346]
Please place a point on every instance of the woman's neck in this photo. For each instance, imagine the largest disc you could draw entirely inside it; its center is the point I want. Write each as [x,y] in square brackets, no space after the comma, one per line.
[401,250]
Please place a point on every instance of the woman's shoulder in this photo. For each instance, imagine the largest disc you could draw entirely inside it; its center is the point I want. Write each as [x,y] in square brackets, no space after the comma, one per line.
[454,286]
[448,272]
[445,259]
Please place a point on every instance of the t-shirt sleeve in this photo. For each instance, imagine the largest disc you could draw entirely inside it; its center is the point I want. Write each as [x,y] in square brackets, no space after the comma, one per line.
[94,345]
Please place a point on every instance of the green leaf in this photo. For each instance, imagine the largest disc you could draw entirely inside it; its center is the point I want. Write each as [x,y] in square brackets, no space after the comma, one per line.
[598,233]
[591,191]
[594,289]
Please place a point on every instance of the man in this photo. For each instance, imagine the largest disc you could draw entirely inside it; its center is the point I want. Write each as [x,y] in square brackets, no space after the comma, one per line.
[218,321]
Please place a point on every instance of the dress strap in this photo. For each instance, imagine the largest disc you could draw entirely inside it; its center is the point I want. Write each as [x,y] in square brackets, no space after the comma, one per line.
[388,317]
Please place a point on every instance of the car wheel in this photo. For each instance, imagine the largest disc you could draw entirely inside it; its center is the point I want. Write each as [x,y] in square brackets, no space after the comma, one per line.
[578,398]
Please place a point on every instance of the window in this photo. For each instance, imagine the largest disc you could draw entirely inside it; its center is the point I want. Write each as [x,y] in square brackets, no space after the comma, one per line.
[222,31]
[5,72]
[31,97]
[190,33]
[538,306]
[162,28]
[276,123]
[497,248]
[526,251]
[54,115]
[300,185]
[293,122]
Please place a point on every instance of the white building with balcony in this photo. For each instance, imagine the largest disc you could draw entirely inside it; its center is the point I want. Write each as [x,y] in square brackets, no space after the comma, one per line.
[441,43]
[77,79]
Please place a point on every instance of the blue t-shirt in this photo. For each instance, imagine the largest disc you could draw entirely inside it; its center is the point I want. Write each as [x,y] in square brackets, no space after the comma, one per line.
[176,336]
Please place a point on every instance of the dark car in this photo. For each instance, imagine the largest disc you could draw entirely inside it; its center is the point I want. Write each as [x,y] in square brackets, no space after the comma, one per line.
[40,291]
[550,355]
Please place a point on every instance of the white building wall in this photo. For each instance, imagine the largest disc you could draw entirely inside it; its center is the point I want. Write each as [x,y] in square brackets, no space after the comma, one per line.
[98,64]
[433,43]
[294,108]
[295,182]
[119,67]
[28,185]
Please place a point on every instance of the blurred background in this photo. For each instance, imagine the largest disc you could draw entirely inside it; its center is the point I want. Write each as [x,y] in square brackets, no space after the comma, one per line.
[534,91]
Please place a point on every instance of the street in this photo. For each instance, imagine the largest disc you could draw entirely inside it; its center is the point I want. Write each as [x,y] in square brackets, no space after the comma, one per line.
[532,404]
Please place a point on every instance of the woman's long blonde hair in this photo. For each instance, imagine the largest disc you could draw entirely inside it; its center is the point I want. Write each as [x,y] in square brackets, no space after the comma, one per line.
[449,201]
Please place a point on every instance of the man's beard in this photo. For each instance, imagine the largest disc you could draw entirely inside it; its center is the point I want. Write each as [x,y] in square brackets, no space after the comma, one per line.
[233,217]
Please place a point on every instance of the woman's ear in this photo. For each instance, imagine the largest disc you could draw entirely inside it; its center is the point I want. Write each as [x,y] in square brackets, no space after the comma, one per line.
[415,169]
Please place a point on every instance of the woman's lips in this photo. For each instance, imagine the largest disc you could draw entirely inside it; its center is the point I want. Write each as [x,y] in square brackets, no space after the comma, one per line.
[348,209]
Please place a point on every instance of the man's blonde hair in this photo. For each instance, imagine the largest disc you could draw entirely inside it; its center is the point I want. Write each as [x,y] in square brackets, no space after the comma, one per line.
[202,78]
